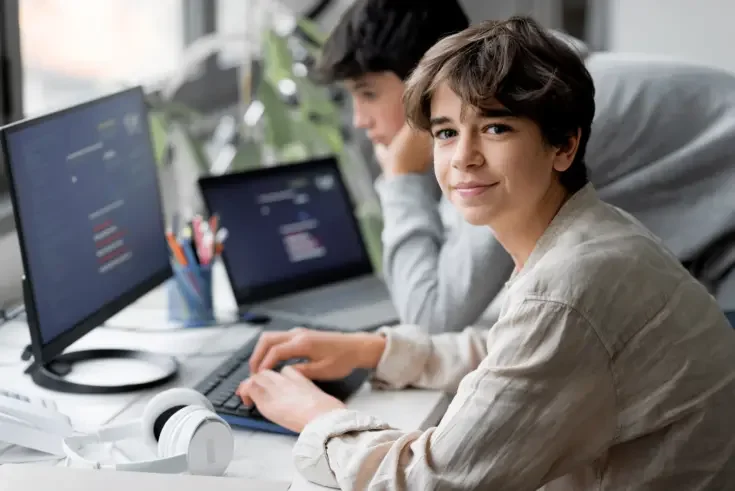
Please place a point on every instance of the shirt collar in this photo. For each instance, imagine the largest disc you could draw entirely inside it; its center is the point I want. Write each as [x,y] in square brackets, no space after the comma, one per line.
[579,202]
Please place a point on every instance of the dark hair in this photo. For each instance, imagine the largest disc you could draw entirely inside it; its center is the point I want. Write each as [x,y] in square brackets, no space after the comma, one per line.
[386,35]
[518,64]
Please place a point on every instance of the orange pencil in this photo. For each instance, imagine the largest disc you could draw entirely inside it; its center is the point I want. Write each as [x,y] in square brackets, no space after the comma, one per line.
[175,248]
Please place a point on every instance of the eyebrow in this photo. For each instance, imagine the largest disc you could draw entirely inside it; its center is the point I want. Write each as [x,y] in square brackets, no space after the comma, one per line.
[499,112]
[361,84]
[439,120]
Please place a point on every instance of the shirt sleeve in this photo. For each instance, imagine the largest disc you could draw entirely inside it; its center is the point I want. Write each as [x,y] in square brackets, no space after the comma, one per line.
[412,358]
[441,283]
[540,404]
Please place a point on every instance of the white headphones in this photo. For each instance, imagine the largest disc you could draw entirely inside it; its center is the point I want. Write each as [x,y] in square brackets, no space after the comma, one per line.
[32,426]
[181,424]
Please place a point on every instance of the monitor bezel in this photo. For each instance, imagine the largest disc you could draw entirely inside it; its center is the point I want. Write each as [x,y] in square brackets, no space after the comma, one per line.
[262,293]
[45,353]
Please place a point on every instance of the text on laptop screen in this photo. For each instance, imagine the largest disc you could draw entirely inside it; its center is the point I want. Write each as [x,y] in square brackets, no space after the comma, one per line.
[286,224]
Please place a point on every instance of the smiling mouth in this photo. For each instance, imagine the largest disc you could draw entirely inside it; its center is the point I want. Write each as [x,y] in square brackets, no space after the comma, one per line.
[468,192]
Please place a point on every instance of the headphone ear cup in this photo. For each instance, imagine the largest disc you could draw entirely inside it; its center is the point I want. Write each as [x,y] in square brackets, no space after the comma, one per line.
[171,430]
[201,435]
[163,406]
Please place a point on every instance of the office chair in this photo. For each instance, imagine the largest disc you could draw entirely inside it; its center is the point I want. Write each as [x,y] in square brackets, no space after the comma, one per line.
[731,317]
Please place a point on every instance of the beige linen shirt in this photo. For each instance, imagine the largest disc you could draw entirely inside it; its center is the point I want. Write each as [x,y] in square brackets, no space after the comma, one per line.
[610,368]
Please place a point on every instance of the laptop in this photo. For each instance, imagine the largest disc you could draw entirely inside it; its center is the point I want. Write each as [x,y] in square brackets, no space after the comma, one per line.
[294,248]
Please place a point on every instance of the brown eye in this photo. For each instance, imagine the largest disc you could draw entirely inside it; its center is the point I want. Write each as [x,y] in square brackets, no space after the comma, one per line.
[497,129]
[444,134]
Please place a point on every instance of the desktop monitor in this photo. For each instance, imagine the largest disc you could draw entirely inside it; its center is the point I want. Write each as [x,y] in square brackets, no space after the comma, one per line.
[87,205]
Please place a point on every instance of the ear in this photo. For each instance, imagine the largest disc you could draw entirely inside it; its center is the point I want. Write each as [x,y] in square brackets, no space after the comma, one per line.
[564,154]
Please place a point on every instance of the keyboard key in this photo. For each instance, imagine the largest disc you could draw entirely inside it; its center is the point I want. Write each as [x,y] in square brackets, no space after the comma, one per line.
[233,402]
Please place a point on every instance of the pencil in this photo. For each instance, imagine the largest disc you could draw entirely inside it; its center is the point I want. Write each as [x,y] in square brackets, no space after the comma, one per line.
[175,248]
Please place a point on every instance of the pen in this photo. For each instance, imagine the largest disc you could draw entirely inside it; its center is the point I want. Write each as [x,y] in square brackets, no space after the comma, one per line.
[213,223]
[175,248]
[219,239]
[193,276]
[186,236]
[198,233]
[189,251]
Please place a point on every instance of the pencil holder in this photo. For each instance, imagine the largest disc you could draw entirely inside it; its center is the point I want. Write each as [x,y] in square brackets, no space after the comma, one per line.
[190,299]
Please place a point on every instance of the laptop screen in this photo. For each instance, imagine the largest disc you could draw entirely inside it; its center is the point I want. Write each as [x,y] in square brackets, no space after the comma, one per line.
[289,227]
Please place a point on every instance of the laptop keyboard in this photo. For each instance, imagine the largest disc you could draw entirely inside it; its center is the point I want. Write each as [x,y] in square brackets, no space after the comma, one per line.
[220,385]
[346,296]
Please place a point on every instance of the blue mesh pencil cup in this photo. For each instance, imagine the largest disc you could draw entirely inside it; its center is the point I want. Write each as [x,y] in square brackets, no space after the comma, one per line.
[190,296]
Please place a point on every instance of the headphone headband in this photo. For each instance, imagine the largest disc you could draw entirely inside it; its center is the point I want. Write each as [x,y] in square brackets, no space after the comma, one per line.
[72,446]
[29,437]
[180,423]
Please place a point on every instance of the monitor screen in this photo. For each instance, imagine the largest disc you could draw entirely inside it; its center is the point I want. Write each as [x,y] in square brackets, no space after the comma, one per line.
[86,193]
[285,223]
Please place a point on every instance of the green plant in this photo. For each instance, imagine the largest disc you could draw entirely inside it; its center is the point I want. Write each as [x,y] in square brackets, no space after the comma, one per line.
[311,128]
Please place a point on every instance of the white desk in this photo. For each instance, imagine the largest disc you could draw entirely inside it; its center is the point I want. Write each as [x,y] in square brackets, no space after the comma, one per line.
[257,455]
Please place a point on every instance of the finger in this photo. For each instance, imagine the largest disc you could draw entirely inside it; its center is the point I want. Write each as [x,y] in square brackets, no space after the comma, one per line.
[265,343]
[268,379]
[243,390]
[316,370]
[294,348]
[291,373]
[258,393]
[296,376]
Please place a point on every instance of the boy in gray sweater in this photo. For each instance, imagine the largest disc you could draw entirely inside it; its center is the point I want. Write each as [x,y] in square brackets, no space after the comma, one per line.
[662,148]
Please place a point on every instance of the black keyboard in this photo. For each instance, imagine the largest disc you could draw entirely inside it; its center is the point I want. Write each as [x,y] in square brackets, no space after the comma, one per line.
[220,385]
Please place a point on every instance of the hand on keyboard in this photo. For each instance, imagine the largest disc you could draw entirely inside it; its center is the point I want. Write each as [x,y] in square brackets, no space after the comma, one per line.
[327,355]
[287,398]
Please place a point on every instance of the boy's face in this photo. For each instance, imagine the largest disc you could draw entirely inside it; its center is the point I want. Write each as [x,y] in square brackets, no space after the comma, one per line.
[490,164]
[377,101]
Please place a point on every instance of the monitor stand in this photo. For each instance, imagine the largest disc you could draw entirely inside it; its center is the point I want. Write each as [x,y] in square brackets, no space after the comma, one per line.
[50,374]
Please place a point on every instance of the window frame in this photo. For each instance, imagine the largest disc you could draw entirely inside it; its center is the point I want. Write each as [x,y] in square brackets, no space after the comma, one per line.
[11,95]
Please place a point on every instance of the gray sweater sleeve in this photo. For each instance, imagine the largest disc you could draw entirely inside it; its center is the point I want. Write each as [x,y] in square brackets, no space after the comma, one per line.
[442,284]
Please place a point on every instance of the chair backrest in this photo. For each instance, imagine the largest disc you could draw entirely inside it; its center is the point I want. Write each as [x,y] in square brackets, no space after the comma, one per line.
[731,317]
[715,262]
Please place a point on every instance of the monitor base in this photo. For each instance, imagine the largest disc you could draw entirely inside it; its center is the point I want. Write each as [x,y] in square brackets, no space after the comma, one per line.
[51,375]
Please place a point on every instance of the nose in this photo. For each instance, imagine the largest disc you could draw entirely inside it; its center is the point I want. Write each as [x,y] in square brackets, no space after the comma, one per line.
[360,118]
[467,153]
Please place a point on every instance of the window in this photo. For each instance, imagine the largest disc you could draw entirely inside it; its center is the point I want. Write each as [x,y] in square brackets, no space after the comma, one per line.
[75,50]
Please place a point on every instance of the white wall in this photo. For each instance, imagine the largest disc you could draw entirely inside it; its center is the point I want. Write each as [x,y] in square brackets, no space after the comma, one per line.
[701,31]
[546,12]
